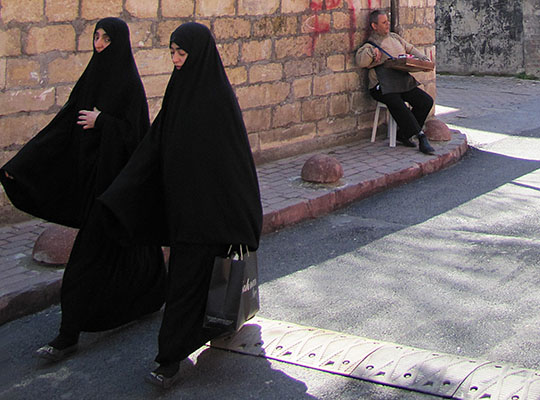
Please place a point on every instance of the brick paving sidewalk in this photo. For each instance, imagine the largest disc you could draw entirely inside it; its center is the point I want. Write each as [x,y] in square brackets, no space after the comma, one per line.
[27,287]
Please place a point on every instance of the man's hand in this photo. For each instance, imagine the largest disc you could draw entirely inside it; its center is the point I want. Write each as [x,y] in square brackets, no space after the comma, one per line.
[377,53]
[88,118]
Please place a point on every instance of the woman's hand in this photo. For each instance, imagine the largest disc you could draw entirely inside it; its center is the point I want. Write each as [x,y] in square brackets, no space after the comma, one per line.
[88,118]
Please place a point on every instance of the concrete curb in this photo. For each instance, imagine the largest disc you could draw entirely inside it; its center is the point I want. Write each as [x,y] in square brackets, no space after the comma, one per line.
[341,197]
[30,300]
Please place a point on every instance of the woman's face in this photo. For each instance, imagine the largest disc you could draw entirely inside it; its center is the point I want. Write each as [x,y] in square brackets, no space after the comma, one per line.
[101,40]
[178,55]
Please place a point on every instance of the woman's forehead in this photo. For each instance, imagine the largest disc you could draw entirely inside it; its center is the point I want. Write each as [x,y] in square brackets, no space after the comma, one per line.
[175,46]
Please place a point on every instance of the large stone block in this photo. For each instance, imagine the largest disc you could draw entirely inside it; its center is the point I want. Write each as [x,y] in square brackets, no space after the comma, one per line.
[96,9]
[155,85]
[61,10]
[275,26]
[68,69]
[302,87]
[265,73]
[164,31]
[314,110]
[335,83]
[20,129]
[236,75]
[22,72]
[154,105]
[282,136]
[331,43]
[293,47]
[14,101]
[10,42]
[21,10]
[231,28]
[332,126]
[141,34]
[303,67]
[420,35]
[85,39]
[210,8]
[257,120]
[257,7]
[341,21]
[263,95]
[336,63]
[142,8]
[286,114]
[229,53]
[256,50]
[316,24]
[50,38]
[177,8]
[294,6]
[62,94]
[154,62]
[339,104]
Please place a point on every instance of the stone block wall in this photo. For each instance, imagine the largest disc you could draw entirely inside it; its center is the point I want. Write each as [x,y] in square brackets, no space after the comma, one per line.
[290,61]
[488,36]
[531,24]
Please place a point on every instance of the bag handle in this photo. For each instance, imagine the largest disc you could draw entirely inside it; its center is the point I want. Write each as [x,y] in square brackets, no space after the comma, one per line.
[230,252]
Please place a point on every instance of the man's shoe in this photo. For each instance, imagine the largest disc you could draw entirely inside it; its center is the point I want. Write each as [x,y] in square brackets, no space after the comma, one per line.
[424,146]
[51,353]
[405,141]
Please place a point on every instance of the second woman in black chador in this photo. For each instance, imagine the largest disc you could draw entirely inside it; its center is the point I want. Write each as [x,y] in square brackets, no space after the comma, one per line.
[60,172]
[192,184]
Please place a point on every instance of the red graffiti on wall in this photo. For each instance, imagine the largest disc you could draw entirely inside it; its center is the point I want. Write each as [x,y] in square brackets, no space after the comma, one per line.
[352,25]
[378,4]
[317,27]
[318,5]
[331,4]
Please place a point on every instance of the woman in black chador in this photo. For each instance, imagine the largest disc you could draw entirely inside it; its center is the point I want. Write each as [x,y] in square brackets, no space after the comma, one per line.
[60,172]
[191,184]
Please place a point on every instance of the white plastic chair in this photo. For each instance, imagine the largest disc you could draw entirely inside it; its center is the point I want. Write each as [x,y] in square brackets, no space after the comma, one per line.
[390,121]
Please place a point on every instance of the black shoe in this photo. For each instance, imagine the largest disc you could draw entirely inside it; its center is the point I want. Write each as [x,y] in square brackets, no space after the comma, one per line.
[164,376]
[405,141]
[51,353]
[424,145]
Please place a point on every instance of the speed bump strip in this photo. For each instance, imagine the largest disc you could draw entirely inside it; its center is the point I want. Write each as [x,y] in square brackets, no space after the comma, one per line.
[390,364]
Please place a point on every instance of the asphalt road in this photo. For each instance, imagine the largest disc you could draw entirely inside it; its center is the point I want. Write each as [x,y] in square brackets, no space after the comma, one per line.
[447,263]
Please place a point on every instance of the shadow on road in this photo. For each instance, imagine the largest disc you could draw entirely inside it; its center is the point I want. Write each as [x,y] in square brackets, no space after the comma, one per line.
[316,241]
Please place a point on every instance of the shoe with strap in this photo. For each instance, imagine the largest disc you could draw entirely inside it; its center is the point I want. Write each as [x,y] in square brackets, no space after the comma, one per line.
[423,144]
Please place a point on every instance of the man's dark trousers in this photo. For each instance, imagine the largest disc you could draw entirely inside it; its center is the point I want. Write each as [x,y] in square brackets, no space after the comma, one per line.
[409,120]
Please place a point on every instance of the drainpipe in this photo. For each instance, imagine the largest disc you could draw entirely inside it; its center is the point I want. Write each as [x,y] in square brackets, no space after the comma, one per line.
[394,17]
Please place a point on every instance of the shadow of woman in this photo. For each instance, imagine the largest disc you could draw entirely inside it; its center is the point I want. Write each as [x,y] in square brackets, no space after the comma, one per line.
[235,375]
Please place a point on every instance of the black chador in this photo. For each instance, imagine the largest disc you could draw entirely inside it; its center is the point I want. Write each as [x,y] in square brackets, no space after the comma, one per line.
[58,175]
[191,184]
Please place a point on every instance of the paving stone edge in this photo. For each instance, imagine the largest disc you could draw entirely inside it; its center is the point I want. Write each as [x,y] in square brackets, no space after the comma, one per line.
[343,196]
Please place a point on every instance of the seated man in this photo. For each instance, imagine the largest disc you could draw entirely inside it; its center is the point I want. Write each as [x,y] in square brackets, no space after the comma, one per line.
[393,87]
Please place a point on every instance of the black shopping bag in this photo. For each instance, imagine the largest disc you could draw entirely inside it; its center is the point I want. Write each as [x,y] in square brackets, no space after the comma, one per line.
[233,297]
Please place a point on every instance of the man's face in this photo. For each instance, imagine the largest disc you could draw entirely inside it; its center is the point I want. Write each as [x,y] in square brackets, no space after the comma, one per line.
[382,27]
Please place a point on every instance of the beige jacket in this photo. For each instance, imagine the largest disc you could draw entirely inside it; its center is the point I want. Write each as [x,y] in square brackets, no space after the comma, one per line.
[393,44]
